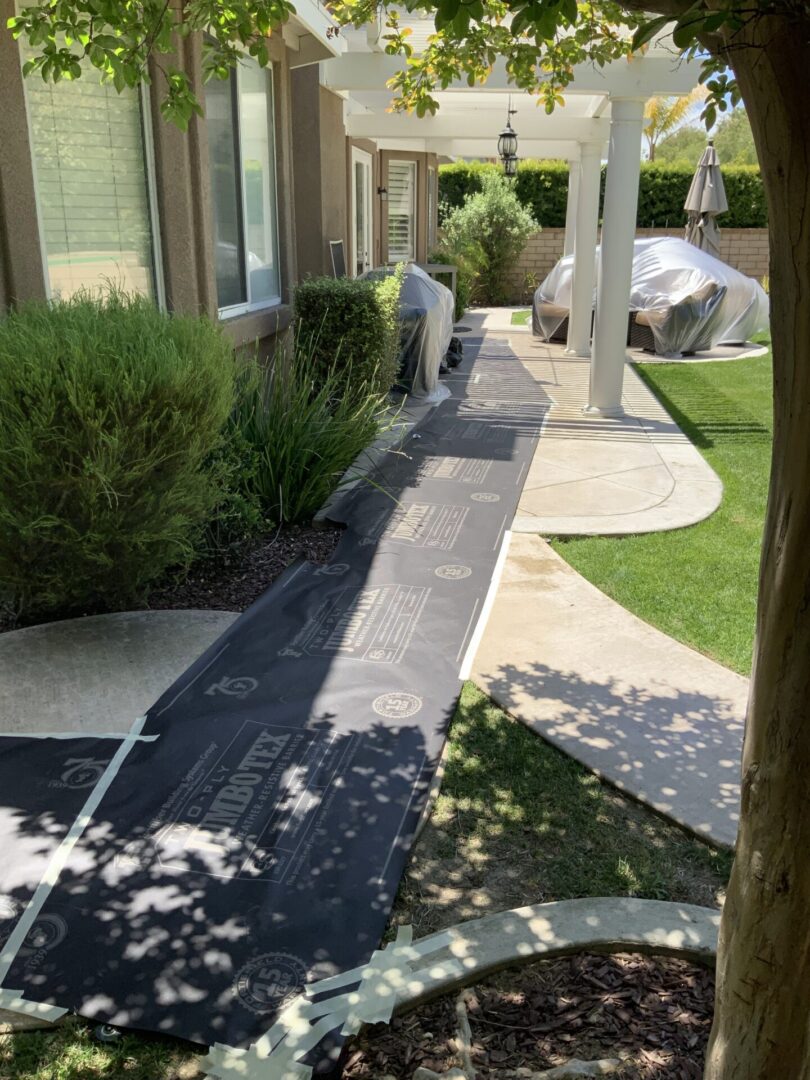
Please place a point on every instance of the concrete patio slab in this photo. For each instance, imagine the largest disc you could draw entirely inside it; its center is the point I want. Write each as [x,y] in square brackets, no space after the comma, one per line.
[657,719]
[98,673]
[595,476]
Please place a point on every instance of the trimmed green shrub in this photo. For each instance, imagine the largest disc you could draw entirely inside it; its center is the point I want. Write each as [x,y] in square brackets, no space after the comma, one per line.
[542,187]
[303,426]
[352,324]
[663,190]
[110,414]
[490,231]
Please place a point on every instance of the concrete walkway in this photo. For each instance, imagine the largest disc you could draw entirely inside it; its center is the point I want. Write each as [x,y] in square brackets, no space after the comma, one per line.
[99,673]
[597,476]
[660,721]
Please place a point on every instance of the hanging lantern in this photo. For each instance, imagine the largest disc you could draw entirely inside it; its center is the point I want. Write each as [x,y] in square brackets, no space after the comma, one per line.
[508,143]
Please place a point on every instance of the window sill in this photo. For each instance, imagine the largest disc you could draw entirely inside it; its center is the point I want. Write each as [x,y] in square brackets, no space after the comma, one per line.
[255,325]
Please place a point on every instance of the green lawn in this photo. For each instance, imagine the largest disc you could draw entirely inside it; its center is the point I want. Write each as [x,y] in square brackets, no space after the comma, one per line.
[699,584]
[521,318]
[517,822]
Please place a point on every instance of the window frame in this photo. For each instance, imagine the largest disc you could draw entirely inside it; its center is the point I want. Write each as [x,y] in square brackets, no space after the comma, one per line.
[150,179]
[413,168]
[249,307]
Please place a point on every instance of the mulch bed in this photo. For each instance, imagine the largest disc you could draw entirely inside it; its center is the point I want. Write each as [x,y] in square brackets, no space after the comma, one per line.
[234,580]
[229,582]
[652,1013]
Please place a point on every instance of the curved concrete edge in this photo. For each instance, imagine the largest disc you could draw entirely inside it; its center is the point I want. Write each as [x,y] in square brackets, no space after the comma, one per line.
[99,672]
[626,475]
[678,510]
[720,354]
[469,951]
[659,721]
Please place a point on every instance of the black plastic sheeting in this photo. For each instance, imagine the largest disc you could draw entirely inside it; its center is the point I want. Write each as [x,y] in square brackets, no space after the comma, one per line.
[257,844]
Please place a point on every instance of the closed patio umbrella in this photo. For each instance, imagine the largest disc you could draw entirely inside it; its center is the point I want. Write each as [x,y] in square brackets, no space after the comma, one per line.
[706,199]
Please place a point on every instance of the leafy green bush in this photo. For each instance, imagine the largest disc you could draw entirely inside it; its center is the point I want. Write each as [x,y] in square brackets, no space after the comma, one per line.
[303,426]
[542,187]
[351,326]
[490,230]
[663,190]
[110,413]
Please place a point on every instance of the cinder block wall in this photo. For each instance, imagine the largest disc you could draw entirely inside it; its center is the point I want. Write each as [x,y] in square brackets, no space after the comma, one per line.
[744,249]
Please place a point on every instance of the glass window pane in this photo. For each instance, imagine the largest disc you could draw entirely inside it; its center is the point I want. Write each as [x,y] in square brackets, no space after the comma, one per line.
[226,191]
[92,189]
[258,163]
[401,211]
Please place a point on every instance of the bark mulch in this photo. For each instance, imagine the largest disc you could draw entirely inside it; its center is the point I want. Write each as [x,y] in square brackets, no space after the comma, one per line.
[652,1013]
[229,582]
[232,581]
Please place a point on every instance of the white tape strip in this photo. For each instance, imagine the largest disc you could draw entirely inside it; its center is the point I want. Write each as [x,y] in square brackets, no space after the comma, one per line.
[62,853]
[483,618]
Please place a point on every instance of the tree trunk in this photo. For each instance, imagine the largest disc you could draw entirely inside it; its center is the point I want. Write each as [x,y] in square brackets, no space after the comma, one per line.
[762,1017]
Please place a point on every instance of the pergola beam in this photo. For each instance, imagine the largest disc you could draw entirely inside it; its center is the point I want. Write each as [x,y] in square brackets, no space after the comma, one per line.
[657,72]
[450,125]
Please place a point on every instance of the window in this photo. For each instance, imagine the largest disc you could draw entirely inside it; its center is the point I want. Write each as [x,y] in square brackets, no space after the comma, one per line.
[401,211]
[90,156]
[431,208]
[239,115]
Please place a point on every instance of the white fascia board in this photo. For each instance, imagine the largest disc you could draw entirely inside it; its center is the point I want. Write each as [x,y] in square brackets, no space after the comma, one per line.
[656,73]
[472,123]
[312,21]
[482,149]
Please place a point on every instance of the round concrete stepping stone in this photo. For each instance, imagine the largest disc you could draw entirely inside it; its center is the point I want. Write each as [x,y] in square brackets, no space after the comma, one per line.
[98,673]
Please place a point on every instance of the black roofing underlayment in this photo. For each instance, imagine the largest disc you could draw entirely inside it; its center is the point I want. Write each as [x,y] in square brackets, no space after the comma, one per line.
[257,844]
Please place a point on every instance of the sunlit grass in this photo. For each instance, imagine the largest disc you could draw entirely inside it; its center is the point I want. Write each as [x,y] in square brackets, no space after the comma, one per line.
[512,796]
[699,584]
[521,318]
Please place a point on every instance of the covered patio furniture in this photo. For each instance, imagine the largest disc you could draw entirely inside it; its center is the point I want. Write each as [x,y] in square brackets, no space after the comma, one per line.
[686,299]
[426,311]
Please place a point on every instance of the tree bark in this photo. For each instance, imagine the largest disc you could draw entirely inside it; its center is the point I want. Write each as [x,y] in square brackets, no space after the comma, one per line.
[762,1016]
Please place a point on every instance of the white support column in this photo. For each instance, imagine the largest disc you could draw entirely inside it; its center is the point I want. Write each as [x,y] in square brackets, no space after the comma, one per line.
[571,208]
[616,258]
[587,226]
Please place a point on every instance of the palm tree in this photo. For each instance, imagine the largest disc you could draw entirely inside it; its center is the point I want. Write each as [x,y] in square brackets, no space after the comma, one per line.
[665,114]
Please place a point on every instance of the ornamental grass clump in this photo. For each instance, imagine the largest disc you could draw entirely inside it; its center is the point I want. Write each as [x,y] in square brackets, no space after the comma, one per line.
[111,414]
[490,230]
[302,426]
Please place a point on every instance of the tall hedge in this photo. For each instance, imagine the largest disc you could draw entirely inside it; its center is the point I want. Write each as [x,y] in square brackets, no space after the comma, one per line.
[542,187]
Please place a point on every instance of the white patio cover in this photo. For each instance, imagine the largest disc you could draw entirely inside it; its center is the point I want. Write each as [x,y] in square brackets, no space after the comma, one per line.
[693,299]
[706,199]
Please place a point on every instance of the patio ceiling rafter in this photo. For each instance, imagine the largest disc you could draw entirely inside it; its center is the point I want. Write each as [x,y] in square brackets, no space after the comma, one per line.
[604,107]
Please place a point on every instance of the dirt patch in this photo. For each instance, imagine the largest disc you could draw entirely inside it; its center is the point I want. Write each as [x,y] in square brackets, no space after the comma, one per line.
[654,1014]
[229,582]
[233,581]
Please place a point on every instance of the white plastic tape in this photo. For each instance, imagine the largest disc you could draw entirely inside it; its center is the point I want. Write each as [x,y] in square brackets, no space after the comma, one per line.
[60,857]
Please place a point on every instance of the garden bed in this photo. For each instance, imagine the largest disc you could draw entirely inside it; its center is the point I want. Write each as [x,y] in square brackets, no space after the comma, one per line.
[653,1014]
[228,582]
